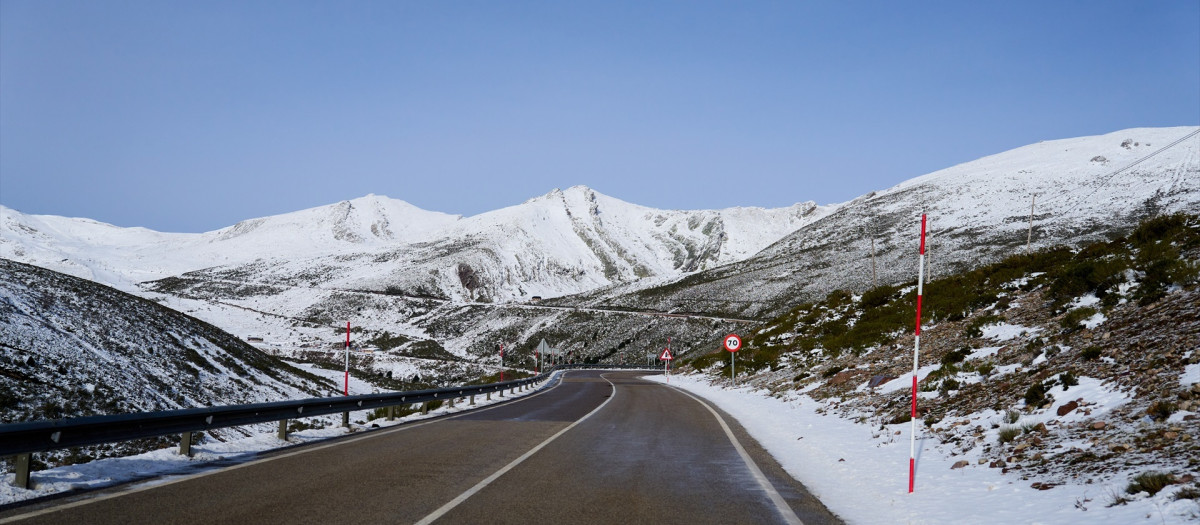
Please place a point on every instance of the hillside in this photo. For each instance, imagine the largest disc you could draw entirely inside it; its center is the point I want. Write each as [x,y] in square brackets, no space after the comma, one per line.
[1058,367]
[70,347]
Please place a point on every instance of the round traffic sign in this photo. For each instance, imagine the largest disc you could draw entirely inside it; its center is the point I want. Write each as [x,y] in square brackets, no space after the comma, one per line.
[733,343]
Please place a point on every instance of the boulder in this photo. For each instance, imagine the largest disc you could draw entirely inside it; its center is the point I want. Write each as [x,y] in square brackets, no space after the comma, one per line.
[1067,408]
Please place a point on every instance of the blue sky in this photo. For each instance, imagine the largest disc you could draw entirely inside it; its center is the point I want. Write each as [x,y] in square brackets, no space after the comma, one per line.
[191,116]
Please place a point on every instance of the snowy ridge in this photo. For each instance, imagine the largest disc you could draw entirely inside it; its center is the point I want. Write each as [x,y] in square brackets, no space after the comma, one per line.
[978,212]
[561,243]
[606,253]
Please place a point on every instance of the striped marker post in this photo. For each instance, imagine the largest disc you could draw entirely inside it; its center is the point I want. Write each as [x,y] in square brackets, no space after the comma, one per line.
[912,449]
[347,392]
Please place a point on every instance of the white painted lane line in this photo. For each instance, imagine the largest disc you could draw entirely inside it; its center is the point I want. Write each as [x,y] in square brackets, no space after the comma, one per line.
[784,509]
[433,516]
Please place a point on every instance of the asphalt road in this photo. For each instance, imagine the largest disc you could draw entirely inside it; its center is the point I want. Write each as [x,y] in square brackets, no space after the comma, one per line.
[600,447]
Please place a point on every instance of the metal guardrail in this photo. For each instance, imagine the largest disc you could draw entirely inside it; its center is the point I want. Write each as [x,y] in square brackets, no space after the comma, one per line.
[24,439]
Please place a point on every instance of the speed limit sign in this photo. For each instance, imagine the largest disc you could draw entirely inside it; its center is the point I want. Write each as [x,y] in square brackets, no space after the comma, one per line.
[733,343]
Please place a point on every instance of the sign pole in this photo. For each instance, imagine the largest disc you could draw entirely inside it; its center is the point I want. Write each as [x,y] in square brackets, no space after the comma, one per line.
[732,343]
[912,447]
[666,358]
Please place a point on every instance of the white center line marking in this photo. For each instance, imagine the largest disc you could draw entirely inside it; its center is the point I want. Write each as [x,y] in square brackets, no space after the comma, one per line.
[433,516]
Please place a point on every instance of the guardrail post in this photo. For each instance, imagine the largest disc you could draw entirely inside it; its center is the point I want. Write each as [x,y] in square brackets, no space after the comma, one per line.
[391,413]
[472,399]
[22,479]
[283,429]
[452,402]
[501,392]
[489,396]
[185,444]
[346,419]
[425,408]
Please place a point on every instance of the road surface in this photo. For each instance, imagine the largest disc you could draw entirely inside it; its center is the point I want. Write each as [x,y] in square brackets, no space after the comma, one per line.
[600,447]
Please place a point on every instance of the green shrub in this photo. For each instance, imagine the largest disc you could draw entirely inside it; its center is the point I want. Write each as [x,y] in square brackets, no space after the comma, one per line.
[975,327]
[877,297]
[1035,396]
[948,385]
[1187,493]
[832,371]
[1075,318]
[1067,380]
[1161,410]
[837,298]
[1091,353]
[1150,481]
[956,356]
[1012,416]
[1007,434]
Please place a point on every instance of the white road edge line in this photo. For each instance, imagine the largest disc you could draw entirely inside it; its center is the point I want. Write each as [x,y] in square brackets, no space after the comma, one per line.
[152,484]
[433,516]
[784,509]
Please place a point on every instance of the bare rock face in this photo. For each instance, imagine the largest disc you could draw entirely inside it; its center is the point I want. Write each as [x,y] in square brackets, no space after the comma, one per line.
[960,464]
[468,277]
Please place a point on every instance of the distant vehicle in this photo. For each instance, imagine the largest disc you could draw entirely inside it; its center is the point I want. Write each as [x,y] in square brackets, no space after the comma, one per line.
[535,299]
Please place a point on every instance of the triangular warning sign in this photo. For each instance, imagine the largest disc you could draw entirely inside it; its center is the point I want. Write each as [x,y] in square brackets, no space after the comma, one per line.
[666,355]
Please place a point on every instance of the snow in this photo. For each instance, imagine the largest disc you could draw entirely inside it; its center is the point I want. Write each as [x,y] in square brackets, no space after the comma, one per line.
[1191,375]
[861,472]
[1094,321]
[1005,331]
[985,352]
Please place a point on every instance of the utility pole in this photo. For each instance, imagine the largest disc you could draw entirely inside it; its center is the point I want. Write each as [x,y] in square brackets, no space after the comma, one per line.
[874,283]
[928,258]
[1029,237]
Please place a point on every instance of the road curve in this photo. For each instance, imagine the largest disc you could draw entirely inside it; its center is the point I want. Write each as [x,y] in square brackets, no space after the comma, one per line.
[601,447]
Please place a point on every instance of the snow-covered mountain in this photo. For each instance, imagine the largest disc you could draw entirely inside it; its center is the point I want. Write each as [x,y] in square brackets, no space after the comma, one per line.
[561,243]
[292,276]
[1086,189]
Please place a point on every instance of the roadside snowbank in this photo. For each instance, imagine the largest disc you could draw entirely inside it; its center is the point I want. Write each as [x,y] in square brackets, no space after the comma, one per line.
[861,472]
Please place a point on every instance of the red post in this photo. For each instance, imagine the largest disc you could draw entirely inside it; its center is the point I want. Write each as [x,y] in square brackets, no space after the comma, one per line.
[912,451]
[347,392]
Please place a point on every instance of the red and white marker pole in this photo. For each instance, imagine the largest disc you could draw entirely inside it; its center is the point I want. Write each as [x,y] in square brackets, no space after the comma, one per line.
[912,449]
[347,358]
